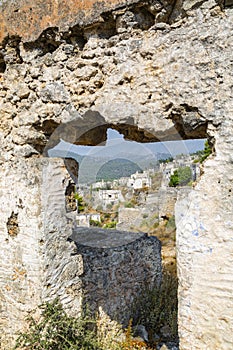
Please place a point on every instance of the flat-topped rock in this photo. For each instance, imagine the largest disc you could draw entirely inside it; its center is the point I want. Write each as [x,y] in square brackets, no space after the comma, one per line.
[116,267]
[101,238]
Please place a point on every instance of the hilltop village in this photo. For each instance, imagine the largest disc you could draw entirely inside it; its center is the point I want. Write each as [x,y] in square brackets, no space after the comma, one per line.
[143,202]
[129,200]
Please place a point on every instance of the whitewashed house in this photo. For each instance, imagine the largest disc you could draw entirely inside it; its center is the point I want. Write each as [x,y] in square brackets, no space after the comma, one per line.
[110,197]
[139,180]
[84,219]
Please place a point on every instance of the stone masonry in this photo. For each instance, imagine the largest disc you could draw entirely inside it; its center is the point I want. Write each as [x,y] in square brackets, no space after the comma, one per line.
[153,70]
[117,266]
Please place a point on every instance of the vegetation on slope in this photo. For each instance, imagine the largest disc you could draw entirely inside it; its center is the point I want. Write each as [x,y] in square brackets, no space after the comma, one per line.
[203,154]
[181,177]
[117,168]
[155,308]
[55,330]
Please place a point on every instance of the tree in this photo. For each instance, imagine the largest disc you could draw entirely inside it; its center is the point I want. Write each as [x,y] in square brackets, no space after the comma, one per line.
[181,177]
[174,179]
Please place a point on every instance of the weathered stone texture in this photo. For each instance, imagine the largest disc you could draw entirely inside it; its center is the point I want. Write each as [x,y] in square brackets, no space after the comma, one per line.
[128,218]
[28,19]
[204,243]
[116,269]
[157,206]
[20,269]
[171,81]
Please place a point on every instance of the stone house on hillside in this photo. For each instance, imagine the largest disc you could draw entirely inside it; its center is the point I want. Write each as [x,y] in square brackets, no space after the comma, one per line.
[101,184]
[110,197]
[84,219]
[139,180]
[168,169]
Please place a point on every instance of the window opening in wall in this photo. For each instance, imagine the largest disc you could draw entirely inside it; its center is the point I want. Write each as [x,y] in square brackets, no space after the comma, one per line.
[134,186]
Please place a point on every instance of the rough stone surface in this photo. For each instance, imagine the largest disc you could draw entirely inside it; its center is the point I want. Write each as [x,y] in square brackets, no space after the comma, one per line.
[172,80]
[20,227]
[28,19]
[101,238]
[117,269]
[48,264]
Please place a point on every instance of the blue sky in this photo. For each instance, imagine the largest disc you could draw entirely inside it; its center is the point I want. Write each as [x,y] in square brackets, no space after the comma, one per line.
[116,146]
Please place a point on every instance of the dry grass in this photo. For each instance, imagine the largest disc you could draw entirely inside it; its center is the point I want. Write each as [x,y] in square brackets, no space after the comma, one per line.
[156,308]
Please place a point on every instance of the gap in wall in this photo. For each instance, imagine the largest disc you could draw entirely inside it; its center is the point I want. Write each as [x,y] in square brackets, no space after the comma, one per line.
[142,200]
[130,185]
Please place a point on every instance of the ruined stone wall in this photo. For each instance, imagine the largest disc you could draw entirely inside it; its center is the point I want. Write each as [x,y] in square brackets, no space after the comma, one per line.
[40,263]
[129,218]
[104,269]
[152,209]
[31,238]
[117,267]
[20,239]
[168,79]
[165,200]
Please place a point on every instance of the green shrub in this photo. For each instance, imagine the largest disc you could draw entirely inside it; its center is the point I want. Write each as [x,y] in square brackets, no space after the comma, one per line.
[95,223]
[80,202]
[129,205]
[55,330]
[203,154]
[207,151]
[181,177]
[167,160]
[111,224]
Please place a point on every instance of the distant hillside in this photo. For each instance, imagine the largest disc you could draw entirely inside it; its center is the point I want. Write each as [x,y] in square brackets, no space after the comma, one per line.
[117,168]
[95,168]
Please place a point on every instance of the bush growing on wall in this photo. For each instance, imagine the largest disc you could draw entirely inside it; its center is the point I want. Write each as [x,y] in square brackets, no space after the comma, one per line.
[203,154]
[207,151]
[55,330]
